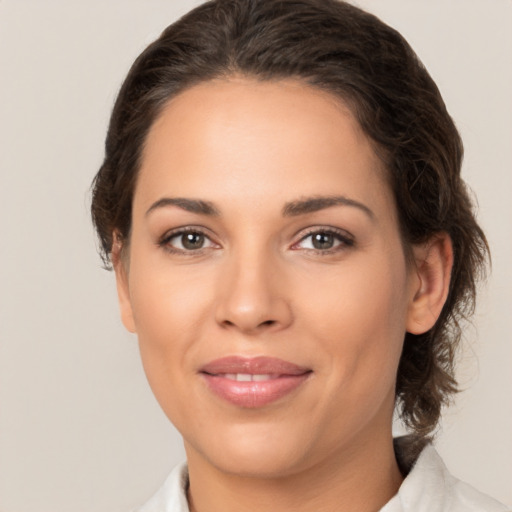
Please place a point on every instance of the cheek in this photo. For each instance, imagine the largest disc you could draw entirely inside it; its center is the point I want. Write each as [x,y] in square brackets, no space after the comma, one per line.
[359,314]
[168,302]
[169,313]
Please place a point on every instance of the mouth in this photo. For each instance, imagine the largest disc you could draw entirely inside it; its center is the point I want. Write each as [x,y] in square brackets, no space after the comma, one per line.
[248,377]
[253,382]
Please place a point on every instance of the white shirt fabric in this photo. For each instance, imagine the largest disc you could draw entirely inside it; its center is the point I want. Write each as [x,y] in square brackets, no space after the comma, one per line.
[428,487]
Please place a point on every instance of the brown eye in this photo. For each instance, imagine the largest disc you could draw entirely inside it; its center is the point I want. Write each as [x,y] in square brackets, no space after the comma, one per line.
[186,241]
[192,241]
[323,240]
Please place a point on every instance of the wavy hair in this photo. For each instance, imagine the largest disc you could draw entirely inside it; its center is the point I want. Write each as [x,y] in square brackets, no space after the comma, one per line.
[336,47]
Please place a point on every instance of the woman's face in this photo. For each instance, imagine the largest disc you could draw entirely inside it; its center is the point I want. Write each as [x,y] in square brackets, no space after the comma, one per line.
[265,277]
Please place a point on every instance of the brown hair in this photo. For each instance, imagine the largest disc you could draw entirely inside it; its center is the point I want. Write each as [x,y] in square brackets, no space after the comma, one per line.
[339,48]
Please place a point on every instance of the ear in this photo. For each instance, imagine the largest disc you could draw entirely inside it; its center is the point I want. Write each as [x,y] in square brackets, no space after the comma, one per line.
[123,290]
[433,267]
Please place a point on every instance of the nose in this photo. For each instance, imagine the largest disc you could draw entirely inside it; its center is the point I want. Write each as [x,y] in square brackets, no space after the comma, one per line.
[252,295]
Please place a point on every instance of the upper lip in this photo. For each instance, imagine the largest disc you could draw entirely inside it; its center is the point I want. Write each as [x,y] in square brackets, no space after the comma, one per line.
[253,366]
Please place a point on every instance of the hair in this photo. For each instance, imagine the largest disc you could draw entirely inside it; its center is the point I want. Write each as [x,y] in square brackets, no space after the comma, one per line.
[336,47]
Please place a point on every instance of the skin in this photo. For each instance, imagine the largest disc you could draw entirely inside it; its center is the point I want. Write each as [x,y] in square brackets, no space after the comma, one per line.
[258,287]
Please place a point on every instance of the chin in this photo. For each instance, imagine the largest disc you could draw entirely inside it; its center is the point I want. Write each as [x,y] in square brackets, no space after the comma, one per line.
[254,452]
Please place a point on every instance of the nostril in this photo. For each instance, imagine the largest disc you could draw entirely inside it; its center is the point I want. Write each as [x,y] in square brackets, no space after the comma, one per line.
[266,323]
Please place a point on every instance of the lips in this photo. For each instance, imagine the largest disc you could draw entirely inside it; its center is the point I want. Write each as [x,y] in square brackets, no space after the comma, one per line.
[253,382]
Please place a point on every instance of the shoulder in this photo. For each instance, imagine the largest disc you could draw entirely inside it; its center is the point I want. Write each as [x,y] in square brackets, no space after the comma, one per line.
[429,487]
[171,497]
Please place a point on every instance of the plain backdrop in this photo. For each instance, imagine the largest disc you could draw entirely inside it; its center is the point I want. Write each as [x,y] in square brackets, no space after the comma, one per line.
[79,428]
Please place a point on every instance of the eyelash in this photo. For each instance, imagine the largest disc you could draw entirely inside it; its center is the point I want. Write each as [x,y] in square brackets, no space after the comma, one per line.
[345,240]
[164,242]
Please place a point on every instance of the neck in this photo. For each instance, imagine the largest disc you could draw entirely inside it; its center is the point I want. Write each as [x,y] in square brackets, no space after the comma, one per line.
[363,477]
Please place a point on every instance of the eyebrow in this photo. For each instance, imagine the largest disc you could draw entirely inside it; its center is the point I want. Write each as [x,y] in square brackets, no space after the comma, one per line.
[190,205]
[317,203]
[291,209]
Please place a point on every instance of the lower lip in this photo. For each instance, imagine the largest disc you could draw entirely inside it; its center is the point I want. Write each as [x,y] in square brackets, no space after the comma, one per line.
[254,394]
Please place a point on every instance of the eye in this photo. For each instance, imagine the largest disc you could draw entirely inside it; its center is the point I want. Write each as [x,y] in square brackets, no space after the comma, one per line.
[186,240]
[324,240]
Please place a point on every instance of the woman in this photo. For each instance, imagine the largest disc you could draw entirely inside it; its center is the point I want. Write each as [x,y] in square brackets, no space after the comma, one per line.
[281,202]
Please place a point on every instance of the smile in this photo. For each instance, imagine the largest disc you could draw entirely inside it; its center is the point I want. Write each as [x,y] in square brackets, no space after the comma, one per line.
[247,377]
[252,383]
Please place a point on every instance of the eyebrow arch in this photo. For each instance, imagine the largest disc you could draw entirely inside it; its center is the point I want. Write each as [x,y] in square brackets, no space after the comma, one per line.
[317,203]
[190,205]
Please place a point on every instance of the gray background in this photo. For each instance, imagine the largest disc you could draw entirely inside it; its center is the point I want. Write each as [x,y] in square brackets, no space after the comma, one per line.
[79,428]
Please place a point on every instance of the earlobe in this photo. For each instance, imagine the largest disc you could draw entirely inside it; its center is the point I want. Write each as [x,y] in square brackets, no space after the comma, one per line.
[433,266]
[123,290]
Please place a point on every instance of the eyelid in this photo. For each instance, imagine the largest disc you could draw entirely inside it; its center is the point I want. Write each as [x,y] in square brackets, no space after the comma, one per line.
[164,240]
[347,239]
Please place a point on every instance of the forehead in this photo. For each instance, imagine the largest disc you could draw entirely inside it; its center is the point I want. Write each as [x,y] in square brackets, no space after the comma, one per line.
[243,137]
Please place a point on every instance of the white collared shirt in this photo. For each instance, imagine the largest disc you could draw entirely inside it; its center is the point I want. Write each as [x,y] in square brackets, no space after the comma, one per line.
[428,487]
